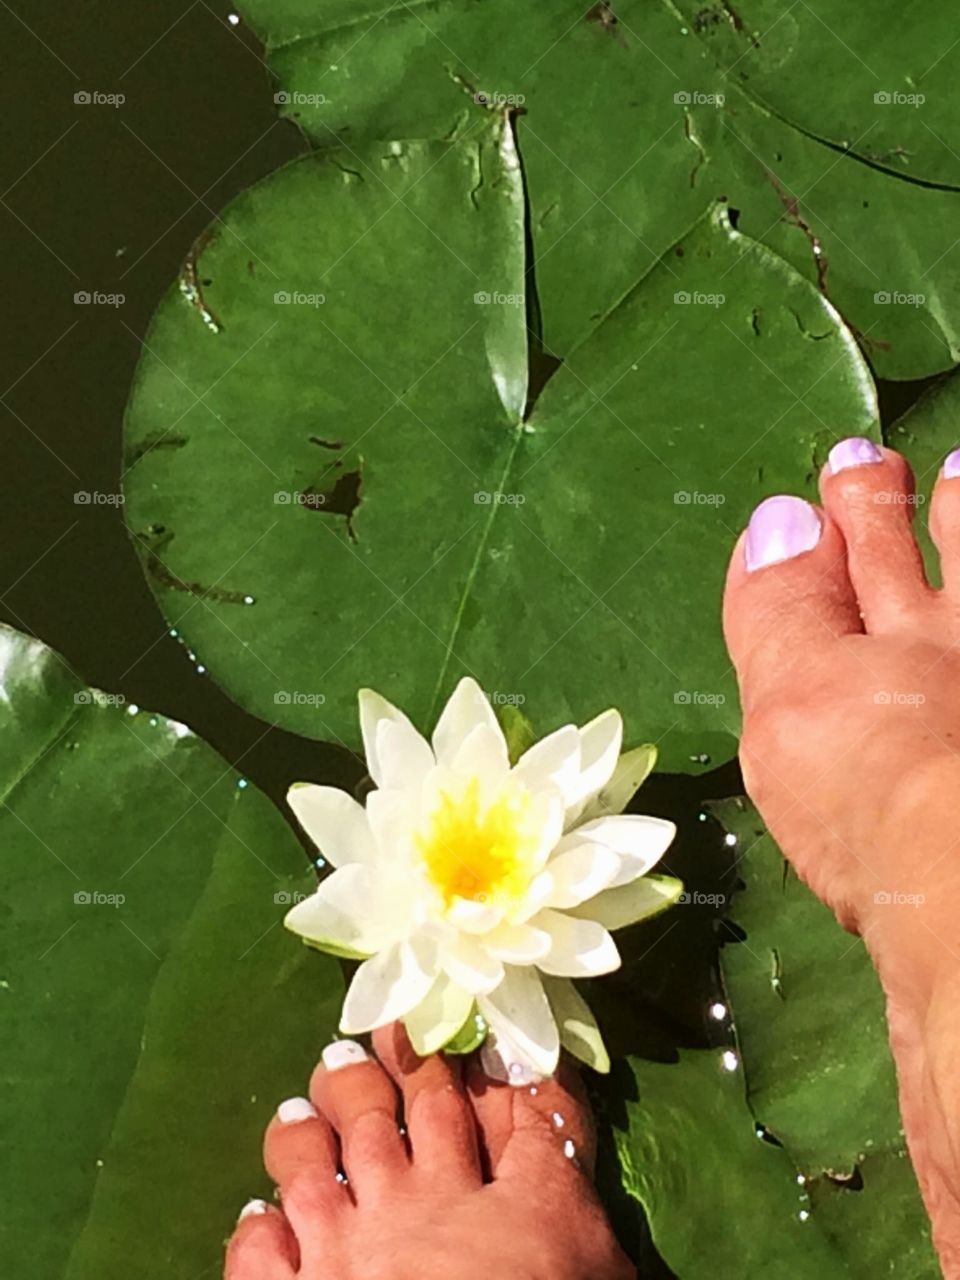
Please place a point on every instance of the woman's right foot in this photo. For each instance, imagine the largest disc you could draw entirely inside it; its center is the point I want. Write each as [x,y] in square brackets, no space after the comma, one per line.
[849,671]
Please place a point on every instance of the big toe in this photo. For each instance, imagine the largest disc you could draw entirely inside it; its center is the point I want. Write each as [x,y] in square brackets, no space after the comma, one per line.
[542,1126]
[787,593]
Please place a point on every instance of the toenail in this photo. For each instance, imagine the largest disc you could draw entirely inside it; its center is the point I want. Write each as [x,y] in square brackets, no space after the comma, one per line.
[253,1209]
[951,465]
[780,528]
[296,1109]
[343,1053]
[852,453]
[514,1073]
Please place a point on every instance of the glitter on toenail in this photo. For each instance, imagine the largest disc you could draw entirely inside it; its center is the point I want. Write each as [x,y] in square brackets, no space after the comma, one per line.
[730,1060]
[558,1120]
[569,1149]
[718,1011]
[730,839]
[534,1091]
[342,1178]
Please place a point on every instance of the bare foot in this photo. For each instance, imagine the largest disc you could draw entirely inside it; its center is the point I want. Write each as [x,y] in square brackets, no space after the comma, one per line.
[849,669]
[487,1180]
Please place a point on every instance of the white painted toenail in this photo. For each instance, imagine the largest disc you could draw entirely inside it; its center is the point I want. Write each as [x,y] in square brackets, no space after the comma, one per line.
[343,1053]
[296,1109]
[253,1209]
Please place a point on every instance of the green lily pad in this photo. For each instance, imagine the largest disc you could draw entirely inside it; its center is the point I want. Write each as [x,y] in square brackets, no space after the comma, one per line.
[808,1012]
[831,130]
[357,497]
[155,1010]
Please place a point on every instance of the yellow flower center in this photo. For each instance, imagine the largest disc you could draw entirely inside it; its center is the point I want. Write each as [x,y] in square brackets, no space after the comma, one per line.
[472,851]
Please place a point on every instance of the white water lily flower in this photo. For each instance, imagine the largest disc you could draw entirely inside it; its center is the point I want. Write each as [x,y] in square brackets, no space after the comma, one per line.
[469,886]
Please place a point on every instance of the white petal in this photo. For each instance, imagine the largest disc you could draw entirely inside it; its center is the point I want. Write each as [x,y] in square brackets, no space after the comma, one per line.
[579,872]
[335,823]
[472,916]
[647,896]
[403,755]
[388,985]
[631,771]
[517,943]
[600,743]
[535,898]
[579,948]
[579,1033]
[470,965]
[554,761]
[519,1015]
[483,753]
[640,841]
[546,817]
[390,814]
[374,709]
[347,914]
[466,708]
[438,1017]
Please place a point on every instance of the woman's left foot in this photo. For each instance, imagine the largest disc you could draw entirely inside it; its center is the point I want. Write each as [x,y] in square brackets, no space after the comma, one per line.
[485,1179]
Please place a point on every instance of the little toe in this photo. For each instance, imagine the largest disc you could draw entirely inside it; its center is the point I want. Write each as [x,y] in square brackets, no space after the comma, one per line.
[439,1120]
[787,593]
[262,1247]
[869,492]
[945,522]
[358,1098]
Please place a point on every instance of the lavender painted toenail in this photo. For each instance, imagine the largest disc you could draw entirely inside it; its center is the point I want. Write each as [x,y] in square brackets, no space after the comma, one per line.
[296,1109]
[951,465]
[253,1209]
[343,1053]
[780,528]
[854,452]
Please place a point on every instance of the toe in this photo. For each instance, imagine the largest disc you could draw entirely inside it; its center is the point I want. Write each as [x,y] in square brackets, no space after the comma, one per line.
[438,1116]
[787,593]
[945,522]
[545,1126]
[869,493]
[358,1098]
[301,1154]
[262,1247]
